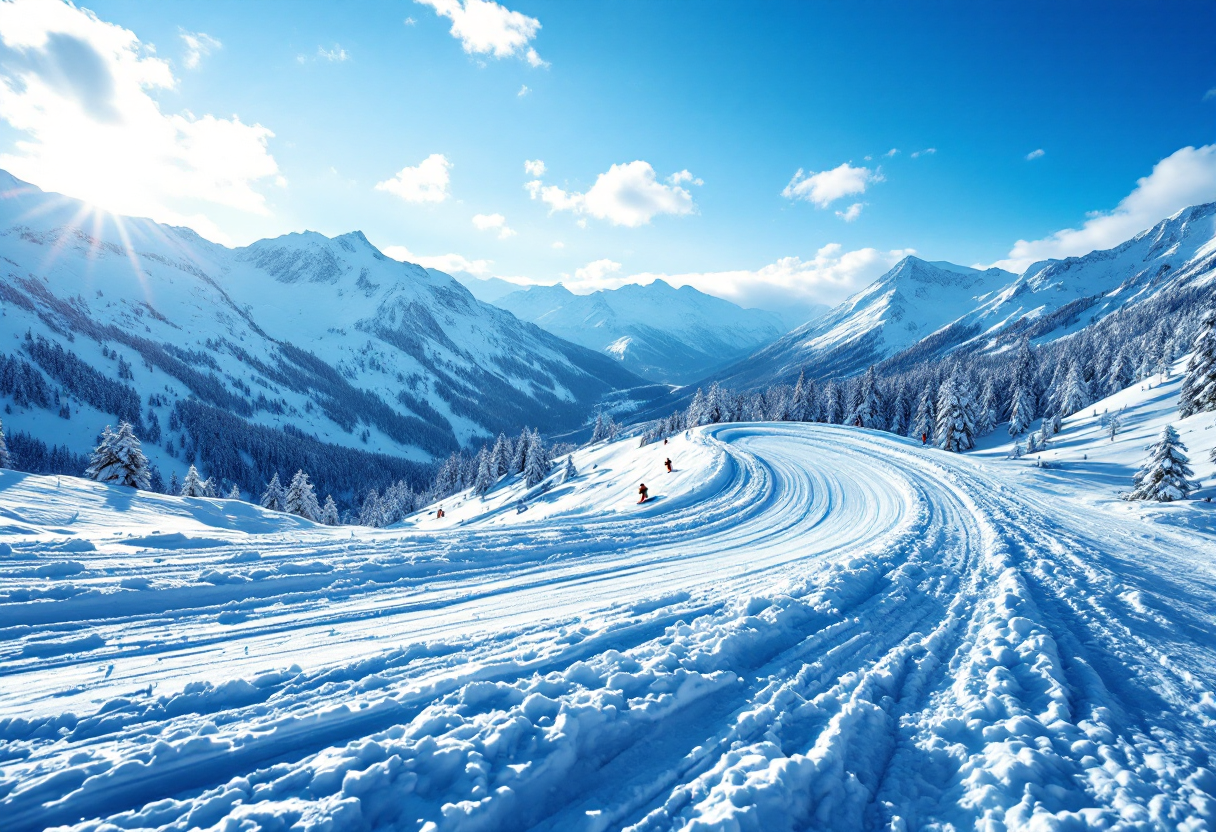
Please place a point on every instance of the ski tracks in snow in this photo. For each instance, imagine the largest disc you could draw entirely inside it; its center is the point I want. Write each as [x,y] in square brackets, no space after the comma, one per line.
[833,630]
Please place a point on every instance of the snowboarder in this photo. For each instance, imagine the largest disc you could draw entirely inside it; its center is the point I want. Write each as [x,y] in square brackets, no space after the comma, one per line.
[439,515]
[643,492]
[667,462]
[664,441]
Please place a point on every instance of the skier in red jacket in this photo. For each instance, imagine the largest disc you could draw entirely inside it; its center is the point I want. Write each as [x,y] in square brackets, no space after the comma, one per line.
[643,492]
[667,462]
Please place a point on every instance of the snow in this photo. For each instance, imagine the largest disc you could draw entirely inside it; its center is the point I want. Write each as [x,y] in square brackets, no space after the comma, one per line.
[806,627]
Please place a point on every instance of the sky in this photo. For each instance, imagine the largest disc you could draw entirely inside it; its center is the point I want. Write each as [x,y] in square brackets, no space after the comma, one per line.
[774,155]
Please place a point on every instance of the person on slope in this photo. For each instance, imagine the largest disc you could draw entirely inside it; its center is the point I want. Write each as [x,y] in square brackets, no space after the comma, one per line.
[667,462]
[643,493]
[924,439]
[439,514]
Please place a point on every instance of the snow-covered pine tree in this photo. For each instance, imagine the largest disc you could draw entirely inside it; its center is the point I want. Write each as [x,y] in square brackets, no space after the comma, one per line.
[926,416]
[1199,387]
[1074,395]
[1121,374]
[234,493]
[369,512]
[571,472]
[1016,451]
[301,499]
[521,451]
[192,485]
[597,432]
[209,489]
[1022,412]
[329,512]
[899,413]
[175,485]
[156,480]
[802,399]
[869,406]
[956,414]
[610,428]
[118,459]
[1023,387]
[833,404]
[273,497]
[1032,442]
[500,457]
[989,409]
[537,464]
[486,476]
[5,460]
[1164,475]
[1113,424]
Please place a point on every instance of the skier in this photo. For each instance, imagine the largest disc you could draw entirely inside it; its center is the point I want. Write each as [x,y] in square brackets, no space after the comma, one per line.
[642,490]
[439,514]
[664,440]
[667,462]
[924,439]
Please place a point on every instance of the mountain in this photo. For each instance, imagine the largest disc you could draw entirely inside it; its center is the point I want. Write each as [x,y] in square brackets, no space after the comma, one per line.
[485,289]
[238,357]
[923,309]
[659,332]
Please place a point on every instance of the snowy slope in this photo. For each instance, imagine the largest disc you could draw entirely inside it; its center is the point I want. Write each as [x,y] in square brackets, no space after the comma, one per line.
[810,627]
[659,332]
[325,337]
[924,309]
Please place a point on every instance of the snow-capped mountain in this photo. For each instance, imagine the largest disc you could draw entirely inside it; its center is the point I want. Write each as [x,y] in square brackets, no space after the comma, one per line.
[215,352]
[922,309]
[657,331]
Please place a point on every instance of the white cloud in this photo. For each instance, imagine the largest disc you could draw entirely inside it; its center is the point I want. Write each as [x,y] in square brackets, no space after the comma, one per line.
[595,275]
[928,151]
[892,153]
[682,176]
[426,182]
[534,167]
[557,244]
[198,46]
[827,186]
[829,277]
[78,91]
[484,27]
[1184,178]
[627,194]
[493,222]
[852,212]
[335,55]
[1210,94]
[1035,154]
[443,262]
[409,21]
[523,90]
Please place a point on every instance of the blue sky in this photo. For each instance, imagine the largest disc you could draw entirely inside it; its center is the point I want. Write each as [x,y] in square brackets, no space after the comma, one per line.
[1064,128]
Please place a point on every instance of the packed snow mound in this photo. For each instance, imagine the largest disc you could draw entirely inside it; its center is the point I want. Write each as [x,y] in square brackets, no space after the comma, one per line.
[659,332]
[921,310]
[806,626]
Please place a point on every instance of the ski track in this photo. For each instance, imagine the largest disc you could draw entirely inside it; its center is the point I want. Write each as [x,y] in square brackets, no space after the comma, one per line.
[833,630]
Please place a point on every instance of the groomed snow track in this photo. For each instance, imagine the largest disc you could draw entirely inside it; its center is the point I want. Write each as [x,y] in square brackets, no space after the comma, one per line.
[832,629]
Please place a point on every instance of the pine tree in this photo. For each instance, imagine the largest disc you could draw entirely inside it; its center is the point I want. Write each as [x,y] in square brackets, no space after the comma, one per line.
[485,474]
[571,472]
[696,410]
[899,413]
[521,452]
[1113,424]
[501,456]
[329,513]
[156,480]
[956,414]
[1122,373]
[1199,387]
[5,460]
[802,401]
[234,493]
[832,404]
[175,485]
[926,416]
[986,417]
[1023,402]
[538,464]
[192,486]
[118,459]
[301,500]
[1074,395]
[868,410]
[1164,475]
[597,432]
[1016,451]
[369,513]
[274,498]
[1022,413]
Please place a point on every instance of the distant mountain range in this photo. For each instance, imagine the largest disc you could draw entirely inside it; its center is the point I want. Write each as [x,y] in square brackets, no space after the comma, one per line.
[301,336]
[659,332]
[923,309]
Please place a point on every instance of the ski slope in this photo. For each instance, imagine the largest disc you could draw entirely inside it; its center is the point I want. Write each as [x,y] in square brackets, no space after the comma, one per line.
[809,627]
